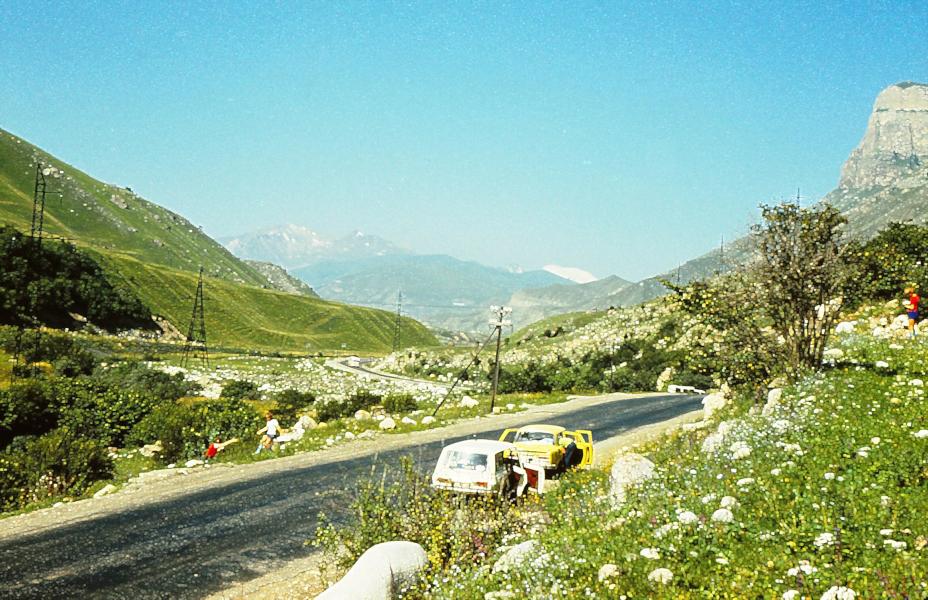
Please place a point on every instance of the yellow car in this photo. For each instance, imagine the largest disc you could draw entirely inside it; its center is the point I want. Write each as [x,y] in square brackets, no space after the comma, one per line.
[551,447]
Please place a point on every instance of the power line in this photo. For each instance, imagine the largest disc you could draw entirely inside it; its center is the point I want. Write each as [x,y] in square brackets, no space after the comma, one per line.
[460,377]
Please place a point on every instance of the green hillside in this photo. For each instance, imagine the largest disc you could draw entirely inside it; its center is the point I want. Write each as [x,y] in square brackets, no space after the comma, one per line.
[158,252]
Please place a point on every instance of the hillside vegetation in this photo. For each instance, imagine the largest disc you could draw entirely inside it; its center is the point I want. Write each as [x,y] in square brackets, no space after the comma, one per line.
[156,253]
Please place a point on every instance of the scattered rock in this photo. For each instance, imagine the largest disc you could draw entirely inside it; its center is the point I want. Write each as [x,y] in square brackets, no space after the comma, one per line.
[362,415]
[773,400]
[150,450]
[627,471]
[193,462]
[387,423]
[428,420]
[107,489]
[712,403]
[408,421]
[468,402]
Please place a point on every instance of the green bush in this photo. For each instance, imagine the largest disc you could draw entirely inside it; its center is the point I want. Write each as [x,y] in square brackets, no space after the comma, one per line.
[398,403]
[26,408]
[56,464]
[290,402]
[137,376]
[240,389]
[186,430]
[361,399]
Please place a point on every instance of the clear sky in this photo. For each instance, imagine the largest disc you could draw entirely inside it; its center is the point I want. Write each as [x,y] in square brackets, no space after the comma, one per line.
[619,137]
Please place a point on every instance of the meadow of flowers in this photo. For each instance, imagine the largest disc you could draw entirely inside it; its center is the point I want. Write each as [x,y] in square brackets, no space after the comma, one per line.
[823,494]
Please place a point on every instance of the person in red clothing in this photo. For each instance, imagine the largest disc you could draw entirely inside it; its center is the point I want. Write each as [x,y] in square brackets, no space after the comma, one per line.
[911,307]
[213,449]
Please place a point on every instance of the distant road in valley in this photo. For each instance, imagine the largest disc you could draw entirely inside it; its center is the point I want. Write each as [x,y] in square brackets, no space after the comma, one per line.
[191,536]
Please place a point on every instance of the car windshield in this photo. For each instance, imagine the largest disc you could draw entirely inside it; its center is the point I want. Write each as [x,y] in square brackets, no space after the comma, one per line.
[535,436]
[466,461]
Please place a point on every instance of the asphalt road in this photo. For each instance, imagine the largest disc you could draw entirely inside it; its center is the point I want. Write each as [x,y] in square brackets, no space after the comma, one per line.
[207,541]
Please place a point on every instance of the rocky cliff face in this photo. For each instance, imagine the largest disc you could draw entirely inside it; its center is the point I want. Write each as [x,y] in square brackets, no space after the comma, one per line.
[894,150]
[886,177]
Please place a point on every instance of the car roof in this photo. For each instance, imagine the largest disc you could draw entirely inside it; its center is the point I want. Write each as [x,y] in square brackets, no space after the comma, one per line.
[485,446]
[543,428]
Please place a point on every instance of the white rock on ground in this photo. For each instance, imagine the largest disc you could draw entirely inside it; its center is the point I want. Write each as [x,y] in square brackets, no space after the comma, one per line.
[193,462]
[773,401]
[387,423]
[845,327]
[515,556]
[362,415]
[627,471]
[107,489]
[712,404]
[379,573]
[428,420]
[408,421]
[467,402]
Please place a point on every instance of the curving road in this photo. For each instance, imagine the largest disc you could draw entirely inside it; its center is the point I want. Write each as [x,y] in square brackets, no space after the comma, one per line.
[198,543]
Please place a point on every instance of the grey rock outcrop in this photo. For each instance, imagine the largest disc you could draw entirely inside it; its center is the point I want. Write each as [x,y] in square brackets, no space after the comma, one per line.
[894,149]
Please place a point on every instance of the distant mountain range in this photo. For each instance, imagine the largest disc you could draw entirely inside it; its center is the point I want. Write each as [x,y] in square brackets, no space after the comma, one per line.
[440,290]
[294,246]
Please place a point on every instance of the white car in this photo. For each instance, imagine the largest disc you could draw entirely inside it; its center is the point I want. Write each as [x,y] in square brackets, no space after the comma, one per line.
[480,467]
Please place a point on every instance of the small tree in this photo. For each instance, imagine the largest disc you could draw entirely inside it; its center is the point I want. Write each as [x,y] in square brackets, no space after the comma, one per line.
[800,273]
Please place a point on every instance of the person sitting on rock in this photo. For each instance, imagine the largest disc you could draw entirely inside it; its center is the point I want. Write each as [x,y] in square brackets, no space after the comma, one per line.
[269,433]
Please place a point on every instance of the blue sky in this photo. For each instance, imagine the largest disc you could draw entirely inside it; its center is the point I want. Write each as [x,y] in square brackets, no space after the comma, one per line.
[618,137]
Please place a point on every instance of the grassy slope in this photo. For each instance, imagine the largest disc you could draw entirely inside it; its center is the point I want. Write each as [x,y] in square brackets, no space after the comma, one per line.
[159,258]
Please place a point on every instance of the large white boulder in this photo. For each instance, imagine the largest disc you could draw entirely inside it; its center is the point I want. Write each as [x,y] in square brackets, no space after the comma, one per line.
[712,403]
[380,573]
[773,400]
[628,471]
[362,415]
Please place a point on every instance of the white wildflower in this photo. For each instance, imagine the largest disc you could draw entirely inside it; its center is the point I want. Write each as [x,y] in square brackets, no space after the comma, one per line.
[829,476]
[745,481]
[894,544]
[885,532]
[921,433]
[728,502]
[661,575]
[687,517]
[790,595]
[839,593]
[650,553]
[824,539]
[875,440]
[723,515]
[740,450]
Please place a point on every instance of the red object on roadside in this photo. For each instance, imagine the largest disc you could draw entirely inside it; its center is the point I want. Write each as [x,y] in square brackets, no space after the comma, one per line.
[211,451]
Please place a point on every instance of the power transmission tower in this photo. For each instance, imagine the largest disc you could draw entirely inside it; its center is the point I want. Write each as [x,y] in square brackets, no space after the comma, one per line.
[501,314]
[399,321]
[38,204]
[196,333]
